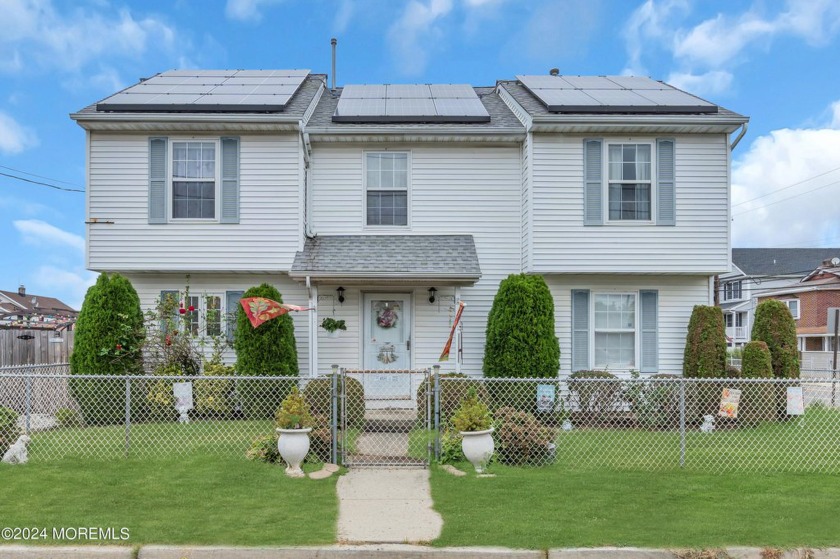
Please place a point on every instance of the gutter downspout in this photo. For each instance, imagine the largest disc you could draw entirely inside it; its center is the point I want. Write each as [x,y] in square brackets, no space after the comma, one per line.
[312,292]
[740,135]
[307,180]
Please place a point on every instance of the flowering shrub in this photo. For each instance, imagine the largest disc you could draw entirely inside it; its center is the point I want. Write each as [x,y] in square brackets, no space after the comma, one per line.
[264,449]
[521,439]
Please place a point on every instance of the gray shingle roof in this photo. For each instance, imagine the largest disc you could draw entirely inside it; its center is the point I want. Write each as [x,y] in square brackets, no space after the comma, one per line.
[501,116]
[781,261]
[396,256]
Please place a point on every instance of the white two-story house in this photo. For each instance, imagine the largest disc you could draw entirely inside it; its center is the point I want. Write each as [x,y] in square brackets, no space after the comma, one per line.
[386,205]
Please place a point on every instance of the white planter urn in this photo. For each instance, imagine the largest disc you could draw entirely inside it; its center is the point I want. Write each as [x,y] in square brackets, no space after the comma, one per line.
[293,446]
[478,447]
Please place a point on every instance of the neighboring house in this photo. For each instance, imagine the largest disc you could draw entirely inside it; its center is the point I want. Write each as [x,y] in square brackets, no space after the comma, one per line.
[19,309]
[758,271]
[810,301]
[385,205]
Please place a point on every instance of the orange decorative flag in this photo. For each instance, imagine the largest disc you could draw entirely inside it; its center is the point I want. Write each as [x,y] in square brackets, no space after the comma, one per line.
[260,309]
[444,355]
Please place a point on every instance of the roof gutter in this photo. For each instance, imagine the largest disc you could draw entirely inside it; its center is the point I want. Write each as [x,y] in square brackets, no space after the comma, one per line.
[737,139]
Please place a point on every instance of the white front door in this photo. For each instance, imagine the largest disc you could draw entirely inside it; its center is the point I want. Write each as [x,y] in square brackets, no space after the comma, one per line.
[387,331]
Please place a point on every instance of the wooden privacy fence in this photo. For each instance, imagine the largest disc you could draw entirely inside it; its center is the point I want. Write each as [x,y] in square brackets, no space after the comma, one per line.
[43,348]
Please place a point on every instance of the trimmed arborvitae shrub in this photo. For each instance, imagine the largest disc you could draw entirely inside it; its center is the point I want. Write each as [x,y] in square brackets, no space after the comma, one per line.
[774,325]
[705,344]
[109,340]
[269,350]
[520,330]
[757,400]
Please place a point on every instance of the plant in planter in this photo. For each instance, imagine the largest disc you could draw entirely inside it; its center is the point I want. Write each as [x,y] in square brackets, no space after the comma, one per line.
[294,422]
[332,326]
[473,420]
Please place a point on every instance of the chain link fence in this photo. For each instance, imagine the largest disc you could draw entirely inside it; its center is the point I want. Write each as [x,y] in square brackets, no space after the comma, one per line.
[714,425]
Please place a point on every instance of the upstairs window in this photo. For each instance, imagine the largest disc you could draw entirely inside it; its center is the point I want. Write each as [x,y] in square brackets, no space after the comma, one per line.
[732,290]
[194,173]
[793,305]
[386,187]
[629,182]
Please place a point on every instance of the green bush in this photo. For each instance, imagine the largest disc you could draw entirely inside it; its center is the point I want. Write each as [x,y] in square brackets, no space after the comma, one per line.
[472,414]
[9,431]
[269,350]
[67,418]
[214,398]
[109,341]
[596,400]
[757,399]
[451,395]
[320,440]
[522,440]
[450,447]
[264,449]
[160,398]
[774,325]
[521,341]
[318,393]
[655,404]
[705,344]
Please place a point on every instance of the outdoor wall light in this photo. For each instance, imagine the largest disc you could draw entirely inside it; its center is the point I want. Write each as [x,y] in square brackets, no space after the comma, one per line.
[432,292]
[340,291]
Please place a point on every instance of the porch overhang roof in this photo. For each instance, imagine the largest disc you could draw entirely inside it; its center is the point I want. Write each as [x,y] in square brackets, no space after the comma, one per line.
[388,259]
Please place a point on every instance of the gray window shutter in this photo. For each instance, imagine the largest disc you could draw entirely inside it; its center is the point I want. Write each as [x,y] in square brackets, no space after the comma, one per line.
[593,187]
[231,311]
[230,181]
[175,297]
[157,180]
[580,329]
[649,343]
[666,203]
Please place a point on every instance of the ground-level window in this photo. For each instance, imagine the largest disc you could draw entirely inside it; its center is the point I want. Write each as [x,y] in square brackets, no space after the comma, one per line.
[207,318]
[614,330]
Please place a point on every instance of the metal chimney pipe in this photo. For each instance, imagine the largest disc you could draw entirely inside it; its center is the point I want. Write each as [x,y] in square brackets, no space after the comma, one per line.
[333,42]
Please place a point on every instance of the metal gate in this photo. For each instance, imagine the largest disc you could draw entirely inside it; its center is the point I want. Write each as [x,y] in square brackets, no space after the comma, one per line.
[378,428]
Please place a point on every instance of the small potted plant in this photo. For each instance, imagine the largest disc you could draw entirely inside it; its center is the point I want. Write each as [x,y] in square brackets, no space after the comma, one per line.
[294,422]
[332,326]
[473,420]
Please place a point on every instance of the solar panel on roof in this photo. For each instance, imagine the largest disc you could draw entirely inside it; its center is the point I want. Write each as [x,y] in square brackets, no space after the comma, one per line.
[209,90]
[612,94]
[410,103]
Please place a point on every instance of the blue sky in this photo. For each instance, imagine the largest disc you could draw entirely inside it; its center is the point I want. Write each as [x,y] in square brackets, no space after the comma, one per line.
[774,61]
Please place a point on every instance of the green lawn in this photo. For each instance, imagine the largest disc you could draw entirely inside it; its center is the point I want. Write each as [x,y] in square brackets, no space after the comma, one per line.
[554,507]
[198,499]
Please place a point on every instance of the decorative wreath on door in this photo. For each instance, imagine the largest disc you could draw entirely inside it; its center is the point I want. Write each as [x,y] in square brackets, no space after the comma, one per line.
[387,318]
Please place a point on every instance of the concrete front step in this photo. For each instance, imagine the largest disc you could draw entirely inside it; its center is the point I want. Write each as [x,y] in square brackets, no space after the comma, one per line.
[390,421]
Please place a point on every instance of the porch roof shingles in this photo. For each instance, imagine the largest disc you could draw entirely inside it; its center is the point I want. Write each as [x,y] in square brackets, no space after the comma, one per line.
[394,257]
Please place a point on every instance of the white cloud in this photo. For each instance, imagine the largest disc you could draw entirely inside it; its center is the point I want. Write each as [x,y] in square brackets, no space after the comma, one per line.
[343,15]
[69,286]
[247,10]
[835,115]
[416,30]
[15,138]
[41,233]
[35,32]
[712,48]
[784,190]
[710,83]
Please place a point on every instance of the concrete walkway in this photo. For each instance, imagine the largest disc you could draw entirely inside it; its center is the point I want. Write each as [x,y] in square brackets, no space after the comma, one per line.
[386,506]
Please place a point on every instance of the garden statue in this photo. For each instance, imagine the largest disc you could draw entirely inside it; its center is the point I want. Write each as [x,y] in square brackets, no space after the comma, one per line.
[17,452]
[708,424]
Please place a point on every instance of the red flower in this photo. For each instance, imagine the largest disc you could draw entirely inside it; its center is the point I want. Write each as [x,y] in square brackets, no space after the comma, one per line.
[168,340]
[192,308]
[119,347]
[182,310]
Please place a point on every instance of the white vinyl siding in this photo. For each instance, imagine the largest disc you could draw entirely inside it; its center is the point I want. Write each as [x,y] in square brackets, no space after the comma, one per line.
[455,189]
[696,244]
[214,285]
[676,298]
[265,239]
